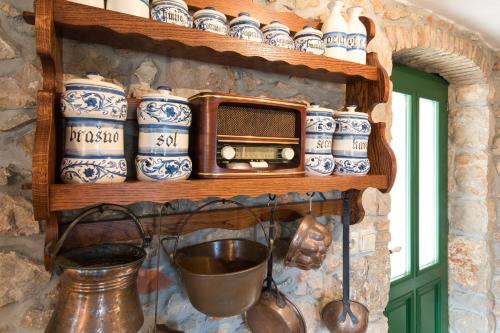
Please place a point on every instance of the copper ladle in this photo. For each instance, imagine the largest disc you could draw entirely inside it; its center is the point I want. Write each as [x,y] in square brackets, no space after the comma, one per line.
[345,316]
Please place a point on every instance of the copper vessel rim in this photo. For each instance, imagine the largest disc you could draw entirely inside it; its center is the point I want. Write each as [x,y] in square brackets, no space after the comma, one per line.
[338,301]
[83,268]
[188,272]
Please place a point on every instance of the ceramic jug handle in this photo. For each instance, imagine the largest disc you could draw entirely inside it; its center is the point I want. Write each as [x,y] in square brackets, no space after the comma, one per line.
[223,201]
[146,240]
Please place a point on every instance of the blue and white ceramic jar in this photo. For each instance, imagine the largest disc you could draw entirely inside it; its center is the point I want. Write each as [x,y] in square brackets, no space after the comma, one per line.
[350,143]
[132,7]
[171,11]
[246,27]
[309,40]
[211,20]
[164,122]
[95,112]
[277,34]
[320,127]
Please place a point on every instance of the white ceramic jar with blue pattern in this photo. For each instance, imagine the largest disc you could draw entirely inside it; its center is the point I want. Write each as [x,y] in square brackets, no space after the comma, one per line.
[277,34]
[246,27]
[171,11]
[309,40]
[211,20]
[131,7]
[95,112]
[350,143]
[164,122]
[320,127]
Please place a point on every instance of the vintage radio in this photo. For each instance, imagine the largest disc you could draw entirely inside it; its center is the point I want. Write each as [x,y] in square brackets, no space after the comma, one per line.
[246,137]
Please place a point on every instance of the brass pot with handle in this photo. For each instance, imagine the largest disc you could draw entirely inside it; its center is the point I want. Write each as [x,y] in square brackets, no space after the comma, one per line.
[222,278]
[99,283]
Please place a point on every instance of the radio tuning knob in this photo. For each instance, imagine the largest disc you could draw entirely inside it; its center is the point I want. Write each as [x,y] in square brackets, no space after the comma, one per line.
[288,154]
[228,153]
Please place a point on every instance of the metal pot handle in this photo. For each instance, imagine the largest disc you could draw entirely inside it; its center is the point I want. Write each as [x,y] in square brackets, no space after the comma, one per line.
[197,210]
[146,240]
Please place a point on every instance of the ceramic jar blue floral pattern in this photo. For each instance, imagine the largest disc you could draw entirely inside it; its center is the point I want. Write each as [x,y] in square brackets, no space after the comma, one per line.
[164,122]
[320,127]
[309,40]
[210,20]
[95,112]
[246,27]
[350,143]
[277,34]
[171,11]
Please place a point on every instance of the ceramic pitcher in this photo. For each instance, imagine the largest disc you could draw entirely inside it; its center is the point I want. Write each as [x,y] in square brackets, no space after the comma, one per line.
[356,38]
[350,143]
[335,32]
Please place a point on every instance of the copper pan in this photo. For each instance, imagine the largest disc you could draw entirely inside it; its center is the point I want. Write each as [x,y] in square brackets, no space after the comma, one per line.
[274,312]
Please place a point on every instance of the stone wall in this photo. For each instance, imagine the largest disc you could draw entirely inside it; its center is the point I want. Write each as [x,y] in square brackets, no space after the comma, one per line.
[27,293]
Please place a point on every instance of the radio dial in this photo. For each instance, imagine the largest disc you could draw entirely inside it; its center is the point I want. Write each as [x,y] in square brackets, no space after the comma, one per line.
[288,154]
[228,153]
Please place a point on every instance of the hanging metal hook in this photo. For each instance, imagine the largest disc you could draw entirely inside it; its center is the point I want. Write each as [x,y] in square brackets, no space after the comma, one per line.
[310,195]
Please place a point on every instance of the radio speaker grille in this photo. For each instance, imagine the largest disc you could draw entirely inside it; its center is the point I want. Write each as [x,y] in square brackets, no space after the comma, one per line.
[257,121]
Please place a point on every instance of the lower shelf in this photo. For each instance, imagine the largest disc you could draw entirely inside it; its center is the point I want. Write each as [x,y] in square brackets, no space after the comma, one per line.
[67,197]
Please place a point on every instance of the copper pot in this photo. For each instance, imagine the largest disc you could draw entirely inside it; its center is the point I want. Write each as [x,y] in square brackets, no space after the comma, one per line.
[309,245]
[99,284]
[222,278]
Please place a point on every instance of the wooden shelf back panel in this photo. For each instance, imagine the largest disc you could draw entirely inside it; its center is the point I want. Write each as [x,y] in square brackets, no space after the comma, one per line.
[119,30]
[67,197]
[91,233]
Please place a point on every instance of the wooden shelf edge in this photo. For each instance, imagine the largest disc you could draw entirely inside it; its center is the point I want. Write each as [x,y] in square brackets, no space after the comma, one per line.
[68,197]
[120,30]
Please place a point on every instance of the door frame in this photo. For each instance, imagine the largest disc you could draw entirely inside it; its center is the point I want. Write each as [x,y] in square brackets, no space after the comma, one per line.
[419,84]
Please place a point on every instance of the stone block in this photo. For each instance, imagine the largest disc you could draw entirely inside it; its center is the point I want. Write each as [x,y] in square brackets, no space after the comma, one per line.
[473,94]
[463,321]
[468,261]
[20,278]
[7,51]
[470,127]
[146,72]
[12,95]
[17,217]
[396,12]
[471,172]
[376,203]
[25,142]
[13,119]
[7,9]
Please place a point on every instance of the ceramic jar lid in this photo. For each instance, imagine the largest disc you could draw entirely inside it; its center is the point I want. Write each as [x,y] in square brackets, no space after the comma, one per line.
[95,80]
[315,107]
[276,26]
[245,18]
[309,31]
[177,2]
[351,111]
[210,11]
[165,94]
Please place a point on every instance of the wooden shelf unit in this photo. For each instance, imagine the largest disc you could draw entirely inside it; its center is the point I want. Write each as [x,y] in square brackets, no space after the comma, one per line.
[366,86]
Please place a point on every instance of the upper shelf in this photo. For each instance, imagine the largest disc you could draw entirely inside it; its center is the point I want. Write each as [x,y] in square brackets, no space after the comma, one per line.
[120,30]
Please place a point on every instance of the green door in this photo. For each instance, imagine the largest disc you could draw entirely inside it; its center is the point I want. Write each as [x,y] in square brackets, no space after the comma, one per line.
[418,301]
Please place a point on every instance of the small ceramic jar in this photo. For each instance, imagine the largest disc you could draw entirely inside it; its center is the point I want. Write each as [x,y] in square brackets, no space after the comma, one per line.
[164,122]
[320,127]
[93,3]
[246,27]
[211,20]
[171,11]
[132,7]
[95,112]
[350,142]
[310,40]
[277,34]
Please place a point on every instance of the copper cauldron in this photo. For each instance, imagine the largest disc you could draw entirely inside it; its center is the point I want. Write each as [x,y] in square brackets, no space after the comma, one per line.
[222,278]
[99,284]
